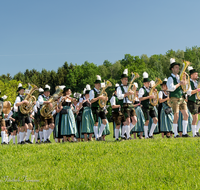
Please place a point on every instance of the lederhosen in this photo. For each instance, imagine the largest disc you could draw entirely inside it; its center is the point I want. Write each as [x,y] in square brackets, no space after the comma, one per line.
[128,109]
[14,123]
[43,120]
[193,103]
[96,110]
[147,108]
[116,113]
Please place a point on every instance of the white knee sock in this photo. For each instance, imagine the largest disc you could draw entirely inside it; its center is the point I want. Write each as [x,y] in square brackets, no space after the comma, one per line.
[185,123]
[45,134]
[36,137]
[56,140]
[49,133]
[10,137]
[28,134]
[40,134]
[6,139]
[24,138]
[198,126]
[3,134]
[13,139]
[18,138]
[123,131]
[116,133]
[175,128]
[131,126]
[194,130]
[101,129]
[153,126]
[96,131]
[127,129]
[21,134]
[146,131]
[32,138]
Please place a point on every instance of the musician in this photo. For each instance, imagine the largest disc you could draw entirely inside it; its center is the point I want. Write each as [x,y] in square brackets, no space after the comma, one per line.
[96,109]
[177,98]
[23,118]
[116,114]
[47,124]
[147,108]
[2,121]
[87,120]
[128,110]
[165,115]
[193,102]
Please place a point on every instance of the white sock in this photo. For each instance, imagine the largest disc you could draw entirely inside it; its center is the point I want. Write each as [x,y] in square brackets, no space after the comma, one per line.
[175,128]
[101,129]
[116,133]
[32,138]
[96,132]
[123,131]
[198,126]
[13,139]
[56,140]
[146,131]
[3,134]
[49,133]
[10,137]
[185,123]
[153,126]
[25,134]
[21,134]
[6,139]
[28,134]
[194,130]
[18,138]
[127,129]
[36,137]
[45,134]
[40,134]
[131,126]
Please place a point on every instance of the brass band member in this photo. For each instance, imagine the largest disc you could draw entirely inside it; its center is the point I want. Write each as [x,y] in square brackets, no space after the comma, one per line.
[177,98]
[128,110]
[193,102]
[147,108]
[96,109]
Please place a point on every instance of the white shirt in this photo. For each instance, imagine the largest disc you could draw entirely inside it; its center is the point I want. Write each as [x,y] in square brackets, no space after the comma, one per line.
[113,101]
[141,92]
[170,83]
[91,94]
[189,92]
[41,100]
[18,99]
[120,94]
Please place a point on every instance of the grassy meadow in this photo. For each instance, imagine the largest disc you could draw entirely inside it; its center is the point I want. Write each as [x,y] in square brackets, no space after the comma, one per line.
[137,164]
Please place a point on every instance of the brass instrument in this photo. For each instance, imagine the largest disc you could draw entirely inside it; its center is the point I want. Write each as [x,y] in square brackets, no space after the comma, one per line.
[185,77]
[198,93]
[6,107]
[102,103]
[154,101]
[168,101]
[26,109]
[132,87]
[46,110]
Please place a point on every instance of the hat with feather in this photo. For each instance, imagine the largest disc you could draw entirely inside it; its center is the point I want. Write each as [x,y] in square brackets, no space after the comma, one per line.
[164,81]
[20,87]
[88,88]
[47,88]
[173,63]
[116,86]
[125,74]
[146,77]
[191,70]
[98,80]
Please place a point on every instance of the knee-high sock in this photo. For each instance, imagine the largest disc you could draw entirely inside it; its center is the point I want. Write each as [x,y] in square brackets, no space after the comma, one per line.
[116,133]
[6,139]
[198,126]
[127,129]
[13,139]
[49,133]
[131,126]
[28,134]
[45,134]
[123,130]
[3,134]
[18,138]
[32,138]
[36,137]
[56,140]
[96,131]
[146,131]
[153,126]
[40,134]
[175,128]
[10,137]
[101,129]
[194,130]
[21,134]
[185,123]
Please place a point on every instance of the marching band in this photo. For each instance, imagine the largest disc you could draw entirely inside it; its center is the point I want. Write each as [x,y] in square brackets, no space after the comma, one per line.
[143,112]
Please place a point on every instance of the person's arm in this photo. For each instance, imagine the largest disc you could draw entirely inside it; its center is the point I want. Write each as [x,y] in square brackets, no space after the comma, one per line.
[141,93]
[170,85]
[190,92]
[113,103]
[18,102]
[120,95]
[92,98]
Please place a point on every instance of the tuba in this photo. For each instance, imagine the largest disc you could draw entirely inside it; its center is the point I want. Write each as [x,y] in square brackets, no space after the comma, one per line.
[102,103]
[46,110]
[184,76]
[132,87]
[154,101]
[26,109]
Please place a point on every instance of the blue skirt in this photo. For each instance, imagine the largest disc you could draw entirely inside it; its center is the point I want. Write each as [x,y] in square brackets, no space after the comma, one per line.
[87,124]
[106,131]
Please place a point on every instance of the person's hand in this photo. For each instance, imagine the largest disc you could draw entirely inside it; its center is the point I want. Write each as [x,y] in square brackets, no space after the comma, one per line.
[151,97]
[25,102]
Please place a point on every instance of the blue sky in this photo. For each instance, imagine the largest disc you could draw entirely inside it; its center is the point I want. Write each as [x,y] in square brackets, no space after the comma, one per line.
[44,34]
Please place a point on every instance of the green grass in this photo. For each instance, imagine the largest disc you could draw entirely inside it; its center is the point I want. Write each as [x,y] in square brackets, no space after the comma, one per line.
[138,164]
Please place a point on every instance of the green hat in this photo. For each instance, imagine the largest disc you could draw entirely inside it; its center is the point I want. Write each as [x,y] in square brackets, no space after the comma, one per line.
[98,80]
[47,88]
[173,63]
[20,87]
[164,81]
[87,89]
[146,77]
[125,74]
[66,89]
[191,70]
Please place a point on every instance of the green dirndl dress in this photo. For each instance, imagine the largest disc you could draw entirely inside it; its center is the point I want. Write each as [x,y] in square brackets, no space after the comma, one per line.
[106,131]
[68,124]
[180,124]
[166,120]
[87,122]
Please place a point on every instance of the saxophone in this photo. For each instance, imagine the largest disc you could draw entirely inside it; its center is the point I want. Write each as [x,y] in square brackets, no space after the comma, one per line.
[131,87]
[185,77]
[102,103]
[46,110]
[154,101]
[26,109]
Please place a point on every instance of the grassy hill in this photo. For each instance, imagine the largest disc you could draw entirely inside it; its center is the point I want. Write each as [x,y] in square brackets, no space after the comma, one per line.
[138,164]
